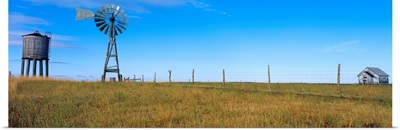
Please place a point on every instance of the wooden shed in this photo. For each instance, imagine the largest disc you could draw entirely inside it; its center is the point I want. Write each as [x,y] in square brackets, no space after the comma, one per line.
[373,75]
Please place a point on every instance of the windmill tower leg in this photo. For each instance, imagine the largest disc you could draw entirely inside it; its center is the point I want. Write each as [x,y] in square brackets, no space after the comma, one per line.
[116,59]
[103,77]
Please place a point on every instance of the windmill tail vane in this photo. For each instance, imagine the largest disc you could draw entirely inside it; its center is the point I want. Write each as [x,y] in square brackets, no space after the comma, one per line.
[82,14]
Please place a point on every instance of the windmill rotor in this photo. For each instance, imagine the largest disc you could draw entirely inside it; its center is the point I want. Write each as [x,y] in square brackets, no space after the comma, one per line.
[109,19]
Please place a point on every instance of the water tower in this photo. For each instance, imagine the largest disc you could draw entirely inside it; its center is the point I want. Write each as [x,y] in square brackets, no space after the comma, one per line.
[36,47]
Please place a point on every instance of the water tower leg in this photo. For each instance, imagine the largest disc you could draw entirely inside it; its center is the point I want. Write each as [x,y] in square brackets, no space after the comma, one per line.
[34,67]
[27,67]
[41,68]
[47,68]
[22,67]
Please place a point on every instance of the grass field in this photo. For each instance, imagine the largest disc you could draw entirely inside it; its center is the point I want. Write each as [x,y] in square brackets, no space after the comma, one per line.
[56,103]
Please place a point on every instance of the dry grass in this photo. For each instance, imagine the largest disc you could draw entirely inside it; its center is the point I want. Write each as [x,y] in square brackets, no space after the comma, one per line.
[57,103]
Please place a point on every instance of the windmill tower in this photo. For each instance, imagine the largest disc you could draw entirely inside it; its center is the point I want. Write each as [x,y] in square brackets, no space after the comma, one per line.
[111,20]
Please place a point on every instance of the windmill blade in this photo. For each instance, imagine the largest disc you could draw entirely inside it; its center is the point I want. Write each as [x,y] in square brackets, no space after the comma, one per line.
[120,12]
[111,32]
[122,23]
[117,11]
[119,30]
[112,10]
[107,9]
[100,23]
[98,20]
[103,10]
[115,31]
[101,28]
[82,14]
[100,12]
[123,18]
[107,28]
[100,15]
[122,27]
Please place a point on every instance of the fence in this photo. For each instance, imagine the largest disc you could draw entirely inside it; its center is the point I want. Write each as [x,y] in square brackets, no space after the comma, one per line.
[262,77]
[328,77]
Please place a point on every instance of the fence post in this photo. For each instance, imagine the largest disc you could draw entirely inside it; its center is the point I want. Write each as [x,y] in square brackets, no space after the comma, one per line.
[193,76]
[338,78]
[170,71]
[269,80]
[155,77]
[142,77]
[223,76]
[134,77]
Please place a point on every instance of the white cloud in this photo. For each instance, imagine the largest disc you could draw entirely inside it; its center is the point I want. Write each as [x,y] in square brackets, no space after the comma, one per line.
[139,6]
[163,3]
[15,42]
[225,13]
[17,19]
[58,62]
[61,45]
[135,17]
[340,47]
[19,24]
[15,38]
[98,3]
[62,37]
[199,4]
[53,44]
[68,3]
[91,4]
[206,7]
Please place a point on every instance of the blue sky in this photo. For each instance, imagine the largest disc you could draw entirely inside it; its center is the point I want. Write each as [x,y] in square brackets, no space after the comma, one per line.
[301,37]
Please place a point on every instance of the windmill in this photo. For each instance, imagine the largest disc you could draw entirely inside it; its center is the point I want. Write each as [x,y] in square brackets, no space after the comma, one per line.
[111,20]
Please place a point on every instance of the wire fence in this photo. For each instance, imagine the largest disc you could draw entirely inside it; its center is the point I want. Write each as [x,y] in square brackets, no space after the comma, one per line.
[328,77]
[323,77]
[262,77]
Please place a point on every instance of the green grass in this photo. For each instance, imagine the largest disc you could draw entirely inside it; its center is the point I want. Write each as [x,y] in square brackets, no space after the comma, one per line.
[56,103]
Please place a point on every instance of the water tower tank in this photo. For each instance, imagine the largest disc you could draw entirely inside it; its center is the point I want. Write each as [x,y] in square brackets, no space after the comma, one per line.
[36,46]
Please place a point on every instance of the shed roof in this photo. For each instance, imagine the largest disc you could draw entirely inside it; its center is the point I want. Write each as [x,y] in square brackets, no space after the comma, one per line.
[375,70]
